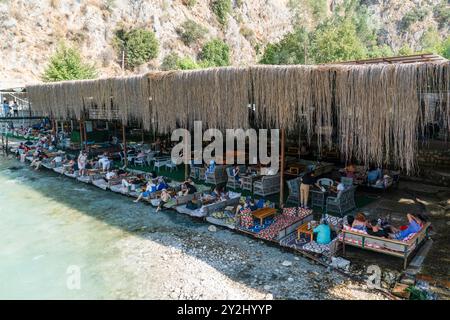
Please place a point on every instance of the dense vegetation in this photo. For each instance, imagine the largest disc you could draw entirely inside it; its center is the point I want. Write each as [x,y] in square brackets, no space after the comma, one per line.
[346,35]
[191,32]
[221,8]
[67,64]
[215,53]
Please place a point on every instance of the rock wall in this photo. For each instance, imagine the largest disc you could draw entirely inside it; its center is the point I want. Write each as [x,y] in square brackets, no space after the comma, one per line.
[30,30]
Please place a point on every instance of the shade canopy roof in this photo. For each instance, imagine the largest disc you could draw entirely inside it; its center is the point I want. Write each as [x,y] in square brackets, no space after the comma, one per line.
[376,111]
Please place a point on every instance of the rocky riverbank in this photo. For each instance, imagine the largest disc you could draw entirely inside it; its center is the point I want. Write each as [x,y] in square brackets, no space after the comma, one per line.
[222,265]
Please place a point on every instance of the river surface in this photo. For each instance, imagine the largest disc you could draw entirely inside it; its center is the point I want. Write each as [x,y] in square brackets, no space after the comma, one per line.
[51,236]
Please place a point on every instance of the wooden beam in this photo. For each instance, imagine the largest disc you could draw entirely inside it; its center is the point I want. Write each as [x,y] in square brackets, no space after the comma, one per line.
[283,138]
[124,140]
[186,165]
[85,135]
[81,134]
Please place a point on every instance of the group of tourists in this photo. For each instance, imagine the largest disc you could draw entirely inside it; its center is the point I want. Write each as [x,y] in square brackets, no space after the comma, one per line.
[382,228]
[10,108]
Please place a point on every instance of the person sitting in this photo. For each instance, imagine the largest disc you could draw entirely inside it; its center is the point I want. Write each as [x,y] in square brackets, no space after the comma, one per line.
[210,168]
[350,171]
[249,203]
[164,198]
[415,223]
[37,160]
[323,231]
[111,174]
[374,229]
[57,161]
[350,220]
[373,175]
[146,191]
[104,162]
[236,174]
[216,192]
[70,167]
[161,184]
[189,188]
[360,222]
[339,188]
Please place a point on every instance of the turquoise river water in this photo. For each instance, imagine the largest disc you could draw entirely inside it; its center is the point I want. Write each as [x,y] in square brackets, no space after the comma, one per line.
[50,247]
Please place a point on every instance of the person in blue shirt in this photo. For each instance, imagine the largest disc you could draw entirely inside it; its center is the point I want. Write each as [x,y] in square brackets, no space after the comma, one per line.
[5,108]
[323,231]
[373,175]
[414,225]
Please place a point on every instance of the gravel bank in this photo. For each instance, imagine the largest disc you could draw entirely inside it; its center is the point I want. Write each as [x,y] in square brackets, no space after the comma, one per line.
[223,265]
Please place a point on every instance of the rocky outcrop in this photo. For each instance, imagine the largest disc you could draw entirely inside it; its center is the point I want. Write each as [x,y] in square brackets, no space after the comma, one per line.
[31,29]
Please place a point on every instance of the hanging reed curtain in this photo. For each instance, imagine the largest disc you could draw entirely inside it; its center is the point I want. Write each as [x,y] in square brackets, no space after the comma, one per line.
[377,111]
[219,97]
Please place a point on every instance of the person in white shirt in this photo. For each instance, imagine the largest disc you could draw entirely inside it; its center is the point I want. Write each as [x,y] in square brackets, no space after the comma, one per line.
[110,175]
[82,159]
[105,163]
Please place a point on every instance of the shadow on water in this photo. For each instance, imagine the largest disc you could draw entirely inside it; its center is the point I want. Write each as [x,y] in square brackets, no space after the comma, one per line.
[141,220]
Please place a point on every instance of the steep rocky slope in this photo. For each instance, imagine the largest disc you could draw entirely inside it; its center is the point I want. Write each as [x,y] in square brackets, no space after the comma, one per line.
[30,30]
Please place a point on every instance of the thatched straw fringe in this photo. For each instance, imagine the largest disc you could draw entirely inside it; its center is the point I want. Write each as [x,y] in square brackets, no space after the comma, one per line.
[377,111]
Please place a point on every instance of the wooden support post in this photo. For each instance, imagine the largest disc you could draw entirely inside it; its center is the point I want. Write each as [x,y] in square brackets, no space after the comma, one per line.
[282,168]
[186,157]
[54,126]
[124,140]
[81,134]
[142,135]
[7,129]
[3,138]
[85,135]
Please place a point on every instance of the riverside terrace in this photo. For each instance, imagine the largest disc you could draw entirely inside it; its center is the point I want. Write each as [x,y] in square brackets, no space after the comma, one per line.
[332,107]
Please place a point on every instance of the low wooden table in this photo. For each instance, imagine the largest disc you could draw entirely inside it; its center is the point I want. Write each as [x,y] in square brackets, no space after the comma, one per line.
[304,229]
[263,213]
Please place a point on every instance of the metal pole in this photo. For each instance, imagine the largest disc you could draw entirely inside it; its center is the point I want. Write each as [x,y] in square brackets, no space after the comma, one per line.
[282,169]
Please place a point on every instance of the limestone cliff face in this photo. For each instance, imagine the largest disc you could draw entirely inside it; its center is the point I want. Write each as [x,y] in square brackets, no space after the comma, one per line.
[31,29]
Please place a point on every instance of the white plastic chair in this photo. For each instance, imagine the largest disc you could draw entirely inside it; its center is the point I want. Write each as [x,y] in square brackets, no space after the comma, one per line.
[171,165]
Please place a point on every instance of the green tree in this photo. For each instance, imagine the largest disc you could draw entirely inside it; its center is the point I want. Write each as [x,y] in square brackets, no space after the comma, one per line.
[190,32]
[337,40]
[187,63]
[289,50]
[221,8]
[380,51]
[441,14]
[318,8]
[445,48]
[140,46]
[405,50]
[173,61]
[431,41]
[413,16]
[215,53]
[67,64]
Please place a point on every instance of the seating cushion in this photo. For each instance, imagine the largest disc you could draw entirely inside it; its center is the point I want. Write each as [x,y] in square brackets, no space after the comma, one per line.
[290,212]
